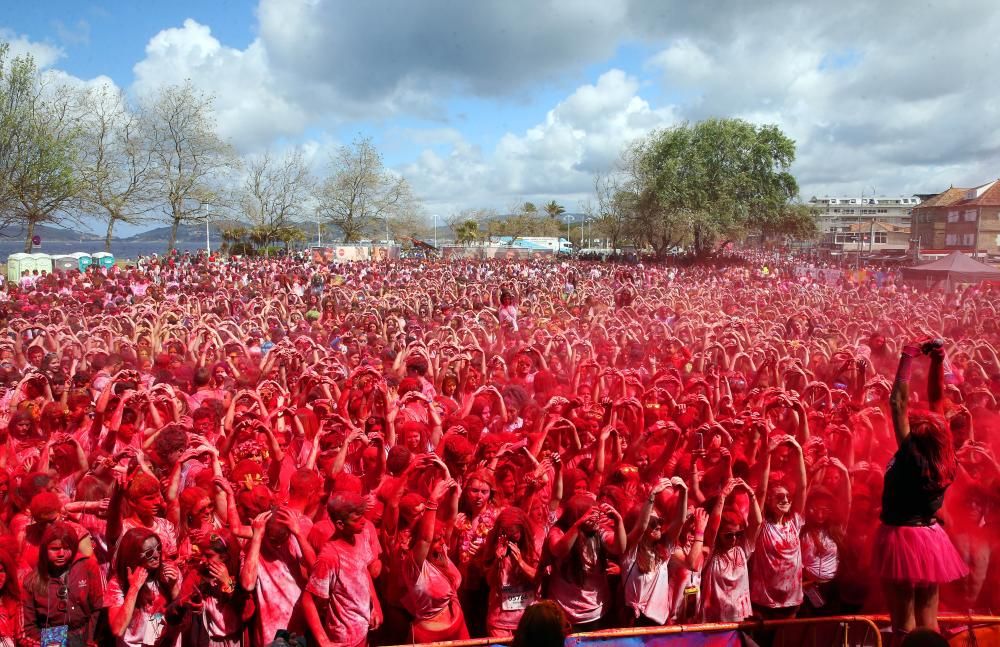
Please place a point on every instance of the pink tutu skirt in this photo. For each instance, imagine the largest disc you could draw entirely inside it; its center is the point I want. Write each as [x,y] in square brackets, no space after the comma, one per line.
[917,554]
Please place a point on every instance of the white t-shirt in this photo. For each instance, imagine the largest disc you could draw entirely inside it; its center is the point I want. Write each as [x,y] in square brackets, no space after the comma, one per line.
[648,593]
[819,556]
[725,585]
[776,568]
[582,603]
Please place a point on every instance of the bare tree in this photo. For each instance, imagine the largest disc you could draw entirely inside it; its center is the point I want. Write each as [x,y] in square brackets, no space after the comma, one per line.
[274,194]
[116,163]
[189,158]
[615,208]
[360,194]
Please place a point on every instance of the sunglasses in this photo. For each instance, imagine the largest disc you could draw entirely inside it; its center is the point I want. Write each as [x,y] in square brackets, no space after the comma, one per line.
[732,535]
[782,498]
[149,552]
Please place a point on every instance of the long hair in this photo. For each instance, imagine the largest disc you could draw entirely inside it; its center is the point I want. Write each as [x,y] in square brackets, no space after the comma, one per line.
[509,520]
[12,587]
[129,551]
[38,581]
[542,624]
[588,552]
[930,439]
[482,476]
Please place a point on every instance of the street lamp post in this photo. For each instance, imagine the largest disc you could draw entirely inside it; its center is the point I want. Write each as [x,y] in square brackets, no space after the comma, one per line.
[435,231]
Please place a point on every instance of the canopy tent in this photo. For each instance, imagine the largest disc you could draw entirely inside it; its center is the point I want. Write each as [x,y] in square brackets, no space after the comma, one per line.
[952,269]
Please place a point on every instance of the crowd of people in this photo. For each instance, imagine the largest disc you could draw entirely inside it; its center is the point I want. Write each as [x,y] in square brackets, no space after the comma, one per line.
[205,451]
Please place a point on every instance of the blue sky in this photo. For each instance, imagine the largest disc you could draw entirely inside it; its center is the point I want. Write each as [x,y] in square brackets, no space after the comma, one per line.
[486,103]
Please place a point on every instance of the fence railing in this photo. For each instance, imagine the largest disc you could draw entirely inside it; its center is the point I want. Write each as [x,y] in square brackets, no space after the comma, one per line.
[847,631]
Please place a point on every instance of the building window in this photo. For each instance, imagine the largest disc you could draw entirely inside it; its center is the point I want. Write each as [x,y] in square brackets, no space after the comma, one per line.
[883,210]
[881,238]
[953,216]
[970,215]
[951,240]
[968,240]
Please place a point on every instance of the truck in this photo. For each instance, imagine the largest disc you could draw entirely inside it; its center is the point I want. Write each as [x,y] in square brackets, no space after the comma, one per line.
[560,246]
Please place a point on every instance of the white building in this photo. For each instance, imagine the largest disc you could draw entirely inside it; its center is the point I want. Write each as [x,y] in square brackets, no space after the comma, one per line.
[870,222]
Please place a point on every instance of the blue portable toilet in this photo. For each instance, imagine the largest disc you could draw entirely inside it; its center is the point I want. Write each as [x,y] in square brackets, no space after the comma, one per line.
[83,260]
[104,259]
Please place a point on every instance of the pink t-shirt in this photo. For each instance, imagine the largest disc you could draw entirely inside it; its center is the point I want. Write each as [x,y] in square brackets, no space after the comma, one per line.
[725,586]
[430,587]
[278,589]
[341,577]
[582,602]
[776,568]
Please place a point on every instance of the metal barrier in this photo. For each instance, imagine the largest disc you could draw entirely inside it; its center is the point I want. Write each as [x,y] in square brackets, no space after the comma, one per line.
[863,622]
[866,626]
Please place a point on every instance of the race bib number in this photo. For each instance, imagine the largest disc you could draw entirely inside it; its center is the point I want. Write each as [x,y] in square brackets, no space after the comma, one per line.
[516,598]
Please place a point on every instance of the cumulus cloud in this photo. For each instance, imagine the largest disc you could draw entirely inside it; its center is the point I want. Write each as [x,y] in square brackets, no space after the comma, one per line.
[251,108]
[397,52]
[44,54]
[555,159]
[879,94]
[874,94]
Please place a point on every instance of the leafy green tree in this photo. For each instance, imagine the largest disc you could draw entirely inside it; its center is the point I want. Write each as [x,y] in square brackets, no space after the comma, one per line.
[714,181]
[554,209]
[467,232]
[39,148]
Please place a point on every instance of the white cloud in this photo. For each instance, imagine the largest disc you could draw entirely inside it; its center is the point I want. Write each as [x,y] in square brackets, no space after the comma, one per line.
[250,106]
[684,61]
[555,159]
[45,54]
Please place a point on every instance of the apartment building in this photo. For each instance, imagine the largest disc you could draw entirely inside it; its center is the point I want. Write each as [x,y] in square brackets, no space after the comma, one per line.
[867,223]
[967,220]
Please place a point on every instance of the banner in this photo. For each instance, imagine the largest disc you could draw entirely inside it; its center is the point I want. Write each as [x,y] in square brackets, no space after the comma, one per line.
[494,252]
[693,639]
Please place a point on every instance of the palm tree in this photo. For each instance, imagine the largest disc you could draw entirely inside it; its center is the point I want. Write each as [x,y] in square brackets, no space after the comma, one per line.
[554,209]
[467,232]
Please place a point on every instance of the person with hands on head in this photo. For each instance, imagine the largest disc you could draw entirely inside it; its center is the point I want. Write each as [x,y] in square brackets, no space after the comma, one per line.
[651,544]
[729,542]
[578,550]
[776,564]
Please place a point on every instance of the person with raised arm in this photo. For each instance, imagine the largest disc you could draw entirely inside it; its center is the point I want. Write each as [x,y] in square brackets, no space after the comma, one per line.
[913,554]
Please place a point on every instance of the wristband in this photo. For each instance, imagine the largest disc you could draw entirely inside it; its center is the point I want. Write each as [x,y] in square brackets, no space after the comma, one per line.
[697,538]
[430,507]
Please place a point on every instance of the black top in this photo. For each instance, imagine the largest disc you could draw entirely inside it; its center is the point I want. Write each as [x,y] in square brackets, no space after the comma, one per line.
[909,496]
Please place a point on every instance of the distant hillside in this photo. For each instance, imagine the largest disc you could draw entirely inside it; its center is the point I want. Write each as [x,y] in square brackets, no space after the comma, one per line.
[51,234]
[185,233]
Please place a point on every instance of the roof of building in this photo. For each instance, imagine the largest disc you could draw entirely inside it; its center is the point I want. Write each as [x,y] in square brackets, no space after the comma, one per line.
[945,198]
[986,195]
[878,225]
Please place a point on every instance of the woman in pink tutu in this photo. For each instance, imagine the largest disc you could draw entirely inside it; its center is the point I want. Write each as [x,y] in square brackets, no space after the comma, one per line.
[913,554]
